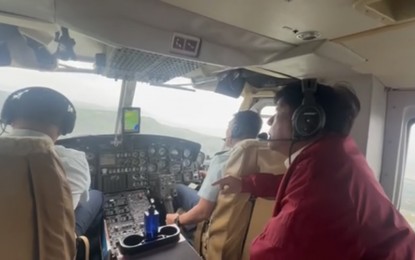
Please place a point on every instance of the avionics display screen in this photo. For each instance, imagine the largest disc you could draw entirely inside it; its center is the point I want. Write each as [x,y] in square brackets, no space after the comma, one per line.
[107,159]
[131,120]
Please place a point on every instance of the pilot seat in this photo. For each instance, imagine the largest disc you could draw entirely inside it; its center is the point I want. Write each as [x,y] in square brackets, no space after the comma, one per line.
[37,219]
[231,225]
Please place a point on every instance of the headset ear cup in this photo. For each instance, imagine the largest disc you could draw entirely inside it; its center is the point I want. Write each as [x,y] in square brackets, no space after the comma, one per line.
[307,121]
[68,123]
[7,111]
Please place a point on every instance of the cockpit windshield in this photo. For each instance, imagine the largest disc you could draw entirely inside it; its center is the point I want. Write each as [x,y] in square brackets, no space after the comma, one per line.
[200,116]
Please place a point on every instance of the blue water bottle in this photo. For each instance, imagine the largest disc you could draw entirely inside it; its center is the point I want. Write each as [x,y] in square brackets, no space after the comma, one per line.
[151,222]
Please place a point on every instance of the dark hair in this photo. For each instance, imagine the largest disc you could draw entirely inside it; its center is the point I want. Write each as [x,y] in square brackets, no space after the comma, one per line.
[247,124]
[339,103]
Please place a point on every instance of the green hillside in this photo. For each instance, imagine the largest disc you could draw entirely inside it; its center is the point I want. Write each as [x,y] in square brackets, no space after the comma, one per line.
[92,119]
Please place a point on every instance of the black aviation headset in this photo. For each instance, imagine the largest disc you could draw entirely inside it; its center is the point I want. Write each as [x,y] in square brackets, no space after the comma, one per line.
[309,118]
[40,104]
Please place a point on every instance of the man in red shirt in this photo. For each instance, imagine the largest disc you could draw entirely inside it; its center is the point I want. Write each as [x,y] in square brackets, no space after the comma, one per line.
[329,204]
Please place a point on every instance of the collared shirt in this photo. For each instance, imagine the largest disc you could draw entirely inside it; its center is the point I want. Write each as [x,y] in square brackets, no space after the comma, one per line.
[215,172]
[73,162]
[293,156]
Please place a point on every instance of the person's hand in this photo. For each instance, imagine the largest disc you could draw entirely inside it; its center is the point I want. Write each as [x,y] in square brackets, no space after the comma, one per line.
[202,174]
[229,184]
[170,218]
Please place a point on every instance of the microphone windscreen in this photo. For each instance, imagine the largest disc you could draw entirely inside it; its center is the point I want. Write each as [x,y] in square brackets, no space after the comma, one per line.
[263,136]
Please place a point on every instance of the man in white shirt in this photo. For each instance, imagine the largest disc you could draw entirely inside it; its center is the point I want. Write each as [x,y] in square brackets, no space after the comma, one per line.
[39,112]
[199,206]
[74,163]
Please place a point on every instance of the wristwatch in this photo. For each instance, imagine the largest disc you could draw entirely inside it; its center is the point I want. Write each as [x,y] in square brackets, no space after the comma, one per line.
[177,221]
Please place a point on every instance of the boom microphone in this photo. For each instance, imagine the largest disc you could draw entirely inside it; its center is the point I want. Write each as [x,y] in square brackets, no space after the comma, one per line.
[267,138]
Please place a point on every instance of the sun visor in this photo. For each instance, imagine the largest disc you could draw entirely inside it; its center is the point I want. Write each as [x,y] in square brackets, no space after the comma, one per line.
[315,59]
[22,51]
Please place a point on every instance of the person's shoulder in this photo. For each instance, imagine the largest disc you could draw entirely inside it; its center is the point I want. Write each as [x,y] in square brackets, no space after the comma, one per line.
[221,153]
[221,156]
[68,153]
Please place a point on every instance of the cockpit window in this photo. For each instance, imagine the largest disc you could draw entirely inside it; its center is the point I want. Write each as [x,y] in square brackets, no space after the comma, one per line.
[266,113]
[200,116]
[407,207]
[94,97]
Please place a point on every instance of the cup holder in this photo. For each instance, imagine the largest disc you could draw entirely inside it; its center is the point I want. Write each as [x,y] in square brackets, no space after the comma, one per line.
[169,231]
[133,240]
[135,244]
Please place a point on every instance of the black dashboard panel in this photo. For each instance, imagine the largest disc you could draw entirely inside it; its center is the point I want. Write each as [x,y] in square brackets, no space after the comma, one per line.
[130,170]
[139,161]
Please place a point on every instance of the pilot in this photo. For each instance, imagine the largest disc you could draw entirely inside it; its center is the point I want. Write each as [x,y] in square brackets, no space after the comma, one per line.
[244,125]
[329,204]
[45,113]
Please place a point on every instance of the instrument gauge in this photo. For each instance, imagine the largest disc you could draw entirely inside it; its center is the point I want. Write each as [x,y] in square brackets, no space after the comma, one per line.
[151,150]
[142,154]
[174,152]
[186,163]
[152,168]
[175,169]
[162,164]
[162,151]
[186,153]
[90,156]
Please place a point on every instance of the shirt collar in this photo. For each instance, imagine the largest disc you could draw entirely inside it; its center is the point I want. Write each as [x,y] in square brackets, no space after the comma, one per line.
[293,156]
[28,132]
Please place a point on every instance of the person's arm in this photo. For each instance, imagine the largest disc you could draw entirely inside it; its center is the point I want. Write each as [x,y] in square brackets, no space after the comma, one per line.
[77,172]
[261,184]
[198,213]
[208,196]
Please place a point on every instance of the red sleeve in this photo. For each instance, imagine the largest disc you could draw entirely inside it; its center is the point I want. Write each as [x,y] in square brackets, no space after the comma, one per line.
[261,184]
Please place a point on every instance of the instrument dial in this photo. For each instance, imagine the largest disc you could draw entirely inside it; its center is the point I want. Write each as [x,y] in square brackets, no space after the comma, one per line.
[152,168]
[90,156]
[162,151]
[186,163]
[151,150]
[174,152]
[175,169]
[186,153]
[162,164]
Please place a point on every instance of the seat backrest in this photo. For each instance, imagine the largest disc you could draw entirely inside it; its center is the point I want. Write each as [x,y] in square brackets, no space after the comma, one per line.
[229,222]
[261,213]
[37,218]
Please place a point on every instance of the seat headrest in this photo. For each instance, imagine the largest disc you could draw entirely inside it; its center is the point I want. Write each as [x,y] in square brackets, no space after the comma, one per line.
[24,145]
[261,158]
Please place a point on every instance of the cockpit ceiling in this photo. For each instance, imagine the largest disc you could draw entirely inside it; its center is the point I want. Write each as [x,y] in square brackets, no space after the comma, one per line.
[355,36]
[332,18]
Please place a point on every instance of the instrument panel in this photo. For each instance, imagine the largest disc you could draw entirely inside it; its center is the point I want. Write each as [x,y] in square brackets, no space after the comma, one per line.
[131,170]
[139,162]
[124,215]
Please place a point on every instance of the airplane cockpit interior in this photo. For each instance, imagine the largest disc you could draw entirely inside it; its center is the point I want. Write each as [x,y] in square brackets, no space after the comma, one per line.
[240,49]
